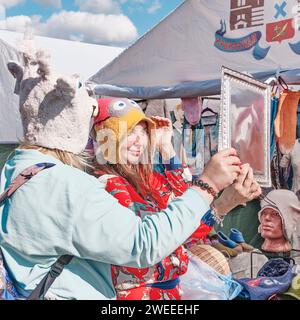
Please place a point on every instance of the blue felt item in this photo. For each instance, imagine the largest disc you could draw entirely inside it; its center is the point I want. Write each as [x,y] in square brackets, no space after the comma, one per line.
[236,236]
[225,240]
[262,288]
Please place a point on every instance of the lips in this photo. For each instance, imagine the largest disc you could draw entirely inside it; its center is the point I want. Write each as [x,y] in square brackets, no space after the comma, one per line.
[267,228]
[135,153]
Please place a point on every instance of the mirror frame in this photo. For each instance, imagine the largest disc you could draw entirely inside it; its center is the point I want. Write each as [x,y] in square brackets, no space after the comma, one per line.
[224,140]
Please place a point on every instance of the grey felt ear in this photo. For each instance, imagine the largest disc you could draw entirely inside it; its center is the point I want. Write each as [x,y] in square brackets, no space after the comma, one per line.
[17,71]
[65,87]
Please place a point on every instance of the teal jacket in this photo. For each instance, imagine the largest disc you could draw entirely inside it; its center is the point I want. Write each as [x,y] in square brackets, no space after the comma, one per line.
[63,210]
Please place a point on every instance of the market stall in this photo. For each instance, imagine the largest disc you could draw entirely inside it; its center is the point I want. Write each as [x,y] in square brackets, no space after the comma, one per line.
[174,70]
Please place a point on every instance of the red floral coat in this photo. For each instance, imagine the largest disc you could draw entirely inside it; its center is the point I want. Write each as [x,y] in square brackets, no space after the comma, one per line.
[144,283]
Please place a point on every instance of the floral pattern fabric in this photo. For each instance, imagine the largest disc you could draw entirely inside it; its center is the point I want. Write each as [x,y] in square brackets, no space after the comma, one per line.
[159,282]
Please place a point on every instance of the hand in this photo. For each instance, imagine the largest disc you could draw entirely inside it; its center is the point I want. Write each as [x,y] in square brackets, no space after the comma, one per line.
[244,189]
[222,169]
[163,137]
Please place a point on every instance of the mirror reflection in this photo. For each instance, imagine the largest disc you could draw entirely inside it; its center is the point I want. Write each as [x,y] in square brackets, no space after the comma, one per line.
[247,125]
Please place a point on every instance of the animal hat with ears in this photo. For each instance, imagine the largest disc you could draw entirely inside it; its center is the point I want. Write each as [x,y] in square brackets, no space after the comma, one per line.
[56,110]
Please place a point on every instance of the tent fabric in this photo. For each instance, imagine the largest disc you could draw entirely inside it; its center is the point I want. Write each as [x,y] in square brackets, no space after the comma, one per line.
[67,57]
[188,48]
[182,90]
[10,121]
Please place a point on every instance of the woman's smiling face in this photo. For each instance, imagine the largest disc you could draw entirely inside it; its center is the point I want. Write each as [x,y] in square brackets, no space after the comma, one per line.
[134,145]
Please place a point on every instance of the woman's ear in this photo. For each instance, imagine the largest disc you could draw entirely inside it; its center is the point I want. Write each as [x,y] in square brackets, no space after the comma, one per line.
[17,72]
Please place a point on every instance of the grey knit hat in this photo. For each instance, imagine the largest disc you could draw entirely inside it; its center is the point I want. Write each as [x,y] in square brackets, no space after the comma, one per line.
[286,203]
[55,110]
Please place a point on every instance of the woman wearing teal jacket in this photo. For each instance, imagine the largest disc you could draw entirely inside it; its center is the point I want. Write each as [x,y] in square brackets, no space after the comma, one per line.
[63,210]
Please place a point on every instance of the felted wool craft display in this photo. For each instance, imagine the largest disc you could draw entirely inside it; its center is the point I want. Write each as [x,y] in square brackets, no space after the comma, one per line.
[286,120]
[192,108]
[155,108]
[293,158]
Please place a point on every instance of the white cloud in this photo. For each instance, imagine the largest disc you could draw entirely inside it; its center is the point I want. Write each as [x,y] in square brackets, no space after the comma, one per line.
[16,23]
[83,26]
[99,6]
[10,3]
[49,3]
[156,5]
[95,28]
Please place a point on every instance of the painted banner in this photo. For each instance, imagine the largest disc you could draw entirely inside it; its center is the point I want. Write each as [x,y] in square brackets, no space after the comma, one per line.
[268,22]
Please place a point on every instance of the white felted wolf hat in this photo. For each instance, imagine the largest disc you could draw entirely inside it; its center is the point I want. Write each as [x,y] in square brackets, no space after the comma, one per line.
[55,110]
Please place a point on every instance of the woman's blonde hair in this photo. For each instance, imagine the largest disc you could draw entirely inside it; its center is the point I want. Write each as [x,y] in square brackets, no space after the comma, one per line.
[138,175]
[82,161]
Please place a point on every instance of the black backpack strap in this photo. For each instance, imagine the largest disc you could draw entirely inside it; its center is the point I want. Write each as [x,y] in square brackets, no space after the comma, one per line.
[56,269]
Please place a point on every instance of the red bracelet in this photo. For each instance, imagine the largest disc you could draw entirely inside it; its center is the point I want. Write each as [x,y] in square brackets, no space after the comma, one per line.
[205,186]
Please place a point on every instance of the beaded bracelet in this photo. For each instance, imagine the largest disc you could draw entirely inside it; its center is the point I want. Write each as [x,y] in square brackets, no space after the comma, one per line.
[205,186]
[218,218]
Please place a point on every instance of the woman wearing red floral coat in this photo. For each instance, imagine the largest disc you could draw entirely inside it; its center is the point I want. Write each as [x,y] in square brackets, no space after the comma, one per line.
[125,140]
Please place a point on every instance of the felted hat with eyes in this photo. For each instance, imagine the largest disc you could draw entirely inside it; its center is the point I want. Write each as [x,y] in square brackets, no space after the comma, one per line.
[117,117]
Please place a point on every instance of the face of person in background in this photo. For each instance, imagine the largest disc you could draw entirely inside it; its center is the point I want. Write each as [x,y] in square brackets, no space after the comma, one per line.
[271,224]
[133,147]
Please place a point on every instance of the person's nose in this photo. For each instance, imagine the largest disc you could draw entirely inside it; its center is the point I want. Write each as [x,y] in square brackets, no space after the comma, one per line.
[137,140]
[268,217]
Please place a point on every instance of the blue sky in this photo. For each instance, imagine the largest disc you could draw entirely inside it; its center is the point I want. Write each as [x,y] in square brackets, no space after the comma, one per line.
[109,22]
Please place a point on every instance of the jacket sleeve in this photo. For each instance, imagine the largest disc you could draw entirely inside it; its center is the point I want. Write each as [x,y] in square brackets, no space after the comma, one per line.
[105,231]
[174,177]
[206,226]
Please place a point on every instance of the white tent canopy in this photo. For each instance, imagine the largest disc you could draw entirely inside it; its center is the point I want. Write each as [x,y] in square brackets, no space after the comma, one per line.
[183,55]
[10,122]
[67,57]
